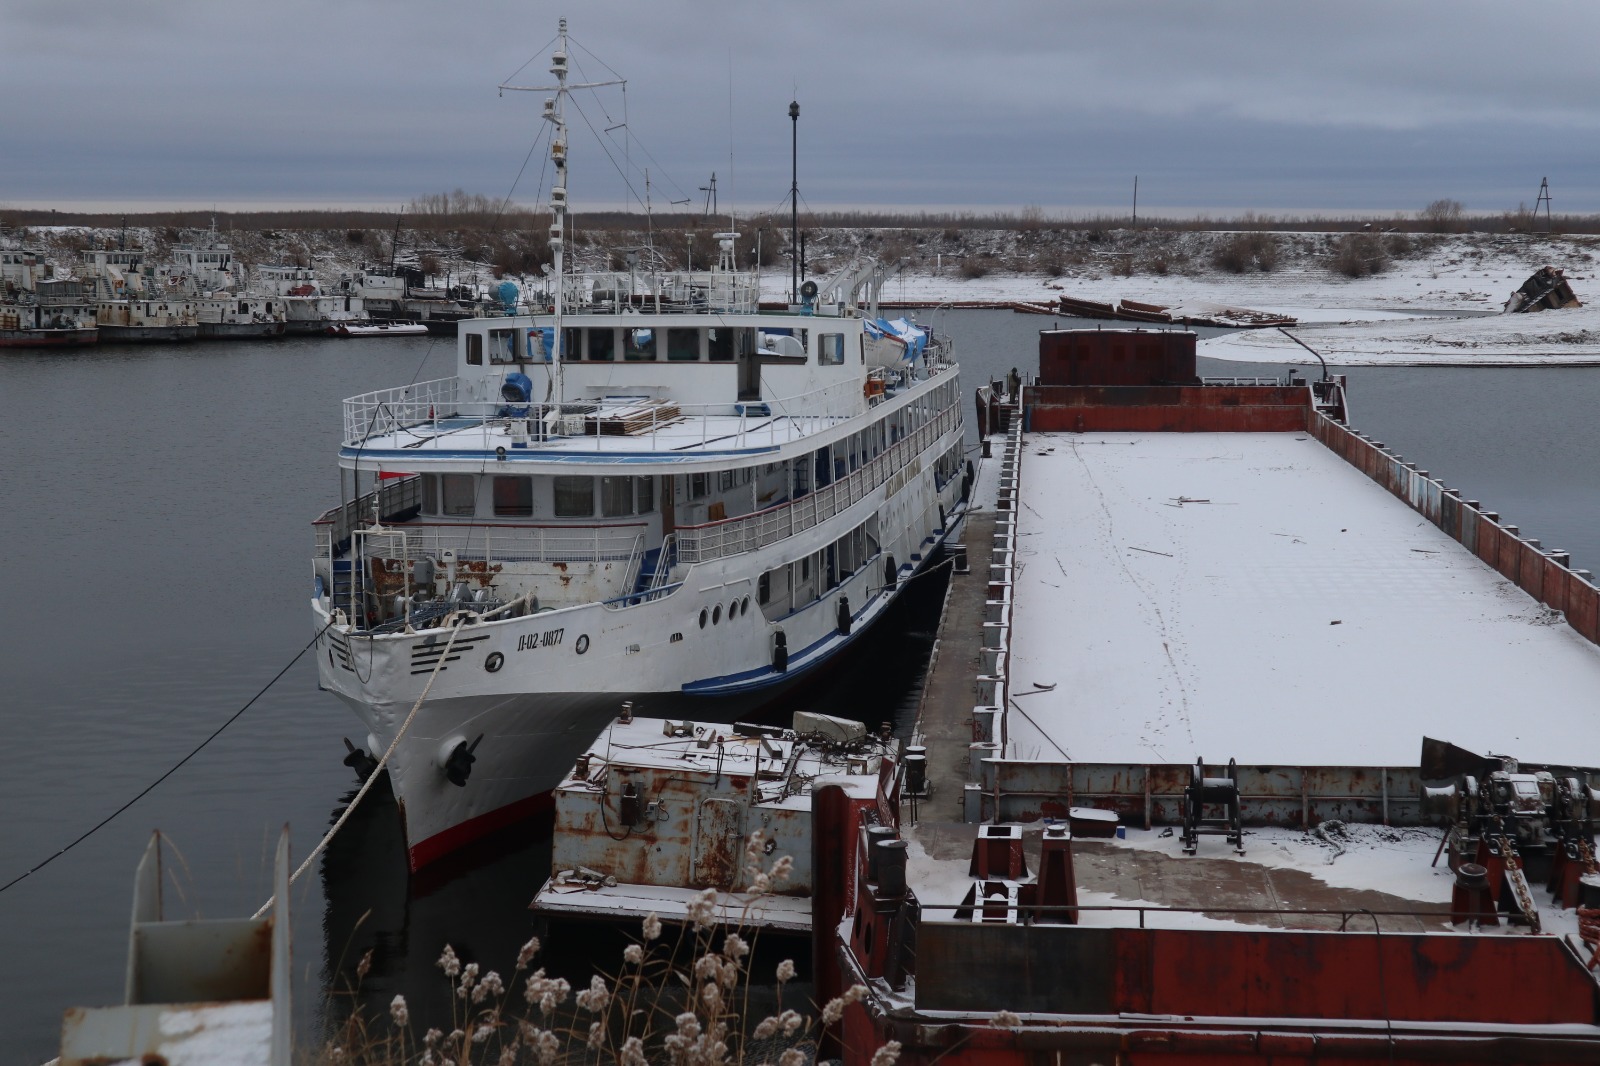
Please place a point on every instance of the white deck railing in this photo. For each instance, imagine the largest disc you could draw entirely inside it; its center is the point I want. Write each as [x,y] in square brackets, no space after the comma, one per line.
[732,536]
[519,544]
[438,406]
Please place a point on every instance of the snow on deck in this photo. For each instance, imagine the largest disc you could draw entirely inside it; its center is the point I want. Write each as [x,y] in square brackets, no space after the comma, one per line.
[686,436]
[1252,596]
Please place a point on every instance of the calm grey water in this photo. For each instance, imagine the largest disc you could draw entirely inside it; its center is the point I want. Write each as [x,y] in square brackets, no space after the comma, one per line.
[154,522]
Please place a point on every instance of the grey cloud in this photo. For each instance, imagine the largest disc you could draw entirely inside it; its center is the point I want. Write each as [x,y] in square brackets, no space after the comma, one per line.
[1352,106]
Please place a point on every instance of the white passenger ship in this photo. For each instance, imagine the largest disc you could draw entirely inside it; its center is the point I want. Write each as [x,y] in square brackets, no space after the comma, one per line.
[656,492]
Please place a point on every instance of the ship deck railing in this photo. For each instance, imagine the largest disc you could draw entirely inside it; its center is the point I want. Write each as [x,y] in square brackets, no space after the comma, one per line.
[743,533]
[662,292]
[492,543]
[438,408]
[1064,915]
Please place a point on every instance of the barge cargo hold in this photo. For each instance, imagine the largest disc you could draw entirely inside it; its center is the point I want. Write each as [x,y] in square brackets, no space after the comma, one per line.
[1218,614]
[658,811]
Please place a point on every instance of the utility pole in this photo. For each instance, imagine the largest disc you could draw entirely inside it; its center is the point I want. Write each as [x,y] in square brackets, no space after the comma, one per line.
[711,197]
[1136,201]
[794,204]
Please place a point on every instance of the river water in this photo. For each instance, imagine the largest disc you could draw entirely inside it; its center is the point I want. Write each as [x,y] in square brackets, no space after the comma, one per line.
[154,518]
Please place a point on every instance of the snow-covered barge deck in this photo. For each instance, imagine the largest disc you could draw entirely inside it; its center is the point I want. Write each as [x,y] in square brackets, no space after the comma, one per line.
[1253,639]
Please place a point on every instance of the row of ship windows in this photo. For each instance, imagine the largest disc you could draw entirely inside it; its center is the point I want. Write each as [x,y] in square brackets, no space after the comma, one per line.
[511,496]
[645,345]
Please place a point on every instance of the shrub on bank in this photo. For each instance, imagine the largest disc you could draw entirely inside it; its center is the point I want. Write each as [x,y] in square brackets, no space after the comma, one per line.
[1245,251]
[681,1003]
[1358,255]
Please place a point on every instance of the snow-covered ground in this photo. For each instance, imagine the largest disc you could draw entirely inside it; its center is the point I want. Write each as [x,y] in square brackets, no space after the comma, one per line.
[1408,313]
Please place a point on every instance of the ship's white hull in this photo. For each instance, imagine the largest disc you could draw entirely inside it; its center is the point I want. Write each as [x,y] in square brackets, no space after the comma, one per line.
[539,688]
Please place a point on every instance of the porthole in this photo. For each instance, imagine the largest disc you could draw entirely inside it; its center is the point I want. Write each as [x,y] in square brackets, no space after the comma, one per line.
[744,606]
[703,617]
[716,614]
[583,644]
[494,662]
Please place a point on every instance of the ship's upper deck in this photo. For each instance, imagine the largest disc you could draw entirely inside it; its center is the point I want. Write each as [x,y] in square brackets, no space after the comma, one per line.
[1254,596]
[676,387]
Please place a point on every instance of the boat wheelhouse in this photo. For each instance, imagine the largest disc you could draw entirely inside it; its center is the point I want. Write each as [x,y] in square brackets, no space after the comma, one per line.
[39,310]
[307,309]
[130,305]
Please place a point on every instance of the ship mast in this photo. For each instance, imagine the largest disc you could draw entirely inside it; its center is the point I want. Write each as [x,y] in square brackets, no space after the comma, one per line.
[555,112]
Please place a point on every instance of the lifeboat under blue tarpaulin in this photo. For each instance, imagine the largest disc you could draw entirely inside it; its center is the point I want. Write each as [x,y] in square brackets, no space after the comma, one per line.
[912,336]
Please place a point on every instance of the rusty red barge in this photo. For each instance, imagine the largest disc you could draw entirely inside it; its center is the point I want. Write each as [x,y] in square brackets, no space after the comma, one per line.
[1168,569]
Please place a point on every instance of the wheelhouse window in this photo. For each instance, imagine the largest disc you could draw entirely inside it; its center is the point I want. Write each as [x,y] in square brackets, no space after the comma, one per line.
[502,346]
[683,345]
[830,349]
[513,496]
[474,349]
[602,345]
[639,345]
[574,497]
[616,496]
[460,493]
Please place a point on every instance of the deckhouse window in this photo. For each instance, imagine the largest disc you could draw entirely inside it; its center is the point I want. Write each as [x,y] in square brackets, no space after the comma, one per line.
[571,345]
[513,496]
[683,345]
[719,345]
[639,345]
[460,494]
[616,496]
[574,497]
[646,496]
[430,494]
[502,346]
[830,349]
[602,345]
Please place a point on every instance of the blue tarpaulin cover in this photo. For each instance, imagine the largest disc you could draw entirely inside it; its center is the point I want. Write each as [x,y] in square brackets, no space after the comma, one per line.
[914,337]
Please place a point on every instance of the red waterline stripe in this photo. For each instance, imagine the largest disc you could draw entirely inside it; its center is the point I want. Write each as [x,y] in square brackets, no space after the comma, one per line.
[439,845]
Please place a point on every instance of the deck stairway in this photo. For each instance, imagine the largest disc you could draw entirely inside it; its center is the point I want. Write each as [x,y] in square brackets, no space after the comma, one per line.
[654,567]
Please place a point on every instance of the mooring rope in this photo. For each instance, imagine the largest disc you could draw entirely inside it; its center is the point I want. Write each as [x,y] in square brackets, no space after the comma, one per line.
[174,769]
[366,785]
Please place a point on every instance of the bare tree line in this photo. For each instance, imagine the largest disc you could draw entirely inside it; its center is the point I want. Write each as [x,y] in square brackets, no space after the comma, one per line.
[459,210]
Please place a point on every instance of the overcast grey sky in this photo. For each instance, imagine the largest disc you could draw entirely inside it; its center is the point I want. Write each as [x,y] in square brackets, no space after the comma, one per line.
[1348,106]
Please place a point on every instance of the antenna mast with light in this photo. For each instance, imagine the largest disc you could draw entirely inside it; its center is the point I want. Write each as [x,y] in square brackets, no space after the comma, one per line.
[555,112]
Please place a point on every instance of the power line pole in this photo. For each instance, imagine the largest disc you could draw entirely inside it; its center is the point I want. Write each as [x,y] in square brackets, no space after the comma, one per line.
[1544,198]
[1136,201]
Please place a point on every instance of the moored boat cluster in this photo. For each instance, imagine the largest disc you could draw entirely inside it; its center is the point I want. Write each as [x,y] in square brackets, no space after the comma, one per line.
[201,291]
